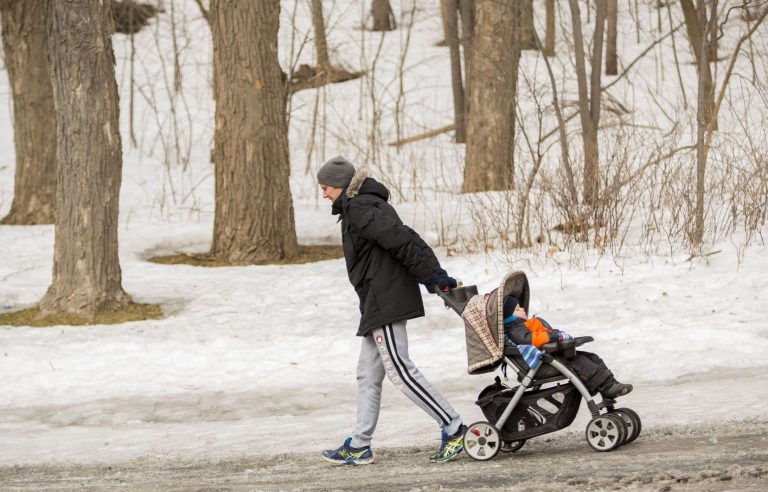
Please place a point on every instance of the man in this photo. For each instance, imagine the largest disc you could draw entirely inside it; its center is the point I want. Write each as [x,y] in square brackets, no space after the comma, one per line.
[386,261]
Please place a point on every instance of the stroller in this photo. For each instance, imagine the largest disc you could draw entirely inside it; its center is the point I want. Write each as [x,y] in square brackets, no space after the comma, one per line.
[548,395]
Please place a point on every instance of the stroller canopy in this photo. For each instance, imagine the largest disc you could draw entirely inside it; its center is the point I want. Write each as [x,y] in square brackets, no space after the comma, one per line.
[484,322]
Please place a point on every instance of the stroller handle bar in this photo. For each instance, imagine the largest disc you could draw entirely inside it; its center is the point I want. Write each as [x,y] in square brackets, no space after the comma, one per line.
[458,298]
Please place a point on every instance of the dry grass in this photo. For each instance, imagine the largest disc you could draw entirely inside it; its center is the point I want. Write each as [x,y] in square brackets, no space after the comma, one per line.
[306,254]
[131,312]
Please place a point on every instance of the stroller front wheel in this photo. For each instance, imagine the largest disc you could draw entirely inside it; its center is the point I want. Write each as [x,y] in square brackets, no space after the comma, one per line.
[632,421]
[606,432]
[482,441]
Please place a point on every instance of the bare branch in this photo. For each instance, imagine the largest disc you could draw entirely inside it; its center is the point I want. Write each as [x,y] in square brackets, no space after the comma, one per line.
[203,11]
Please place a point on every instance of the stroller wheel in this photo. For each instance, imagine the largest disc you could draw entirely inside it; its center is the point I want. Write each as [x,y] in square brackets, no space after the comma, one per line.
[482,441]
[511,446]
[606,432]
[631,420]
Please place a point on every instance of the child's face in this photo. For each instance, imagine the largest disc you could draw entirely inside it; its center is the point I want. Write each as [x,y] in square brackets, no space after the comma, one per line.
[520,312]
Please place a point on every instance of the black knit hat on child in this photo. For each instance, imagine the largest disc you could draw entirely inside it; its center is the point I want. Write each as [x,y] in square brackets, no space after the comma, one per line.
[336,172]
[510,303]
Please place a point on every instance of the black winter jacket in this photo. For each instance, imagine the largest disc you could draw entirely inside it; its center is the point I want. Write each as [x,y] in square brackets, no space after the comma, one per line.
[386,260]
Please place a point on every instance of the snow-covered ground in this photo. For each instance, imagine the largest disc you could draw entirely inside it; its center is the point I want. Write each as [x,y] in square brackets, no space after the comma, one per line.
[262,358]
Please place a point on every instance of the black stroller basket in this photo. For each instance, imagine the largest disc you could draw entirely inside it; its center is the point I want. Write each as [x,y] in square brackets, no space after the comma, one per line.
[539,411]
[458,298]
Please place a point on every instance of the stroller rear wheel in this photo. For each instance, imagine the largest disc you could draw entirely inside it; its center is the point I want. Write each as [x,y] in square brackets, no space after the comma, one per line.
[482,441]
[631,420]
[606,432]
[511,446]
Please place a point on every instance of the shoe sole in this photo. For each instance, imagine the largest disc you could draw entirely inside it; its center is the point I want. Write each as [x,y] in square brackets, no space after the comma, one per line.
[449,458]
[353,463]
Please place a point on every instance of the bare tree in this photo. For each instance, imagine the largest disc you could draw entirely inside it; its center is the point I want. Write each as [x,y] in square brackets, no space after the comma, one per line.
[527,27]
[383,17]
[254,220]
[589,97]
[713,34]
[695,28]
[86,269]
[611,58]
[703,117]
[449,10]
[25,43]
[467,14]
[493,75]
[307,77]
[549,35]
[321,42]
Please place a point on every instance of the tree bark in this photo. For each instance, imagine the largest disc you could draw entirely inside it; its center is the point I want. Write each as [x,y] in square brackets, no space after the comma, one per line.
[549,35]
[467,13]
[589,99]
[86,268]
[712,46]
[489,163]
[696,36]
[704,115]
[383,17]
[254,220]
[527,27]
[449,12]
[25,43]
[321,43]
[611,57]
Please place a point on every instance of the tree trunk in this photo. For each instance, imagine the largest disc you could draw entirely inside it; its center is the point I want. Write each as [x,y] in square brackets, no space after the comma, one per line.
[592,161]
[527,27]
[383,17]
[692,26]
[712,46]
[704,114]
[86,268]
[695,32]
[467,10]
[549,35]
[589,100]
[321,44]
[490,136]
[25,42]
[254,220]
[449,12]
[611,58]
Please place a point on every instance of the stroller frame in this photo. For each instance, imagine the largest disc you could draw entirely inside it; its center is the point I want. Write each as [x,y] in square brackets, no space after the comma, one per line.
[609,427]
[528,380]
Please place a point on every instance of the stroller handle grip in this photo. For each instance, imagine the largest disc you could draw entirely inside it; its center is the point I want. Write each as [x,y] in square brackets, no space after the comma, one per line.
[457,298]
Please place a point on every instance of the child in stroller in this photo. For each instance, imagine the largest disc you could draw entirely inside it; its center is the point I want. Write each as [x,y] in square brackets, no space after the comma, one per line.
[519,329]
[549,390]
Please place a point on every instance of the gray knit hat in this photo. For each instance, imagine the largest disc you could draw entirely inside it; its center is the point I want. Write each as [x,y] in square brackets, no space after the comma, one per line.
[336,172]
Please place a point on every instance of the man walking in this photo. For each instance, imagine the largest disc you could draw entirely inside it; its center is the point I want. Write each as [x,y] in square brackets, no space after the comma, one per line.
[386,260]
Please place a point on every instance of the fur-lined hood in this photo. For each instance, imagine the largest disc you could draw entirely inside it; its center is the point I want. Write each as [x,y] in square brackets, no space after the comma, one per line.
[361,184]
[353,189]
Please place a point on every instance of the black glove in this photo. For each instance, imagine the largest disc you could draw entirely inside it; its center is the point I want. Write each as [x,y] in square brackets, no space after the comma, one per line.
[440,279]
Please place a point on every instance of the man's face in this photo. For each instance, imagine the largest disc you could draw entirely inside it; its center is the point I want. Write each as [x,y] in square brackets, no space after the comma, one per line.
[330,192]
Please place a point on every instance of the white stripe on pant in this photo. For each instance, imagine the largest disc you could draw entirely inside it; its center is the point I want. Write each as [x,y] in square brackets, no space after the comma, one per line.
[385,352]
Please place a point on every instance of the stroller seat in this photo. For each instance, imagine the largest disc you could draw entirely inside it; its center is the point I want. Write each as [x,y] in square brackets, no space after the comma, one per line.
[546,373]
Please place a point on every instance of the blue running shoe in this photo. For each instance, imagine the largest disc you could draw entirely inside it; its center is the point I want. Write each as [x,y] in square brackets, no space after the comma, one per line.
[347,455]
[450,447]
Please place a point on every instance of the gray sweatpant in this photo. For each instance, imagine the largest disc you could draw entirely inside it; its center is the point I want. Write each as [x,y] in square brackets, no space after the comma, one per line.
[385,351]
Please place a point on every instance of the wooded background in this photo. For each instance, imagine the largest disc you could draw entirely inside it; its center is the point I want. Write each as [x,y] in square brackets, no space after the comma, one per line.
[548,153]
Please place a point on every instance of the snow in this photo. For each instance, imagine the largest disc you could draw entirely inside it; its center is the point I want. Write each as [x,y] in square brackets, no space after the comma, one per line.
[262,358]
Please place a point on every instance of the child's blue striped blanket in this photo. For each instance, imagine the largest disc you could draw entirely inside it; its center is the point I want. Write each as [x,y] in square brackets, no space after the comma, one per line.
[530,354]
